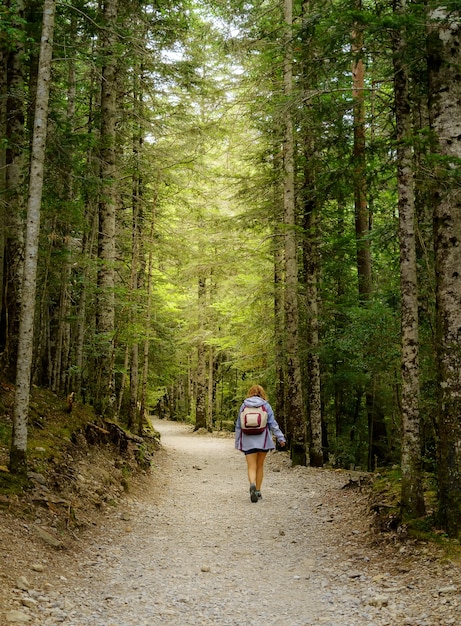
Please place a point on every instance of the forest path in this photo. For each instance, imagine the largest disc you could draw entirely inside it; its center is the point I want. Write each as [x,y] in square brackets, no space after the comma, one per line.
[193,550]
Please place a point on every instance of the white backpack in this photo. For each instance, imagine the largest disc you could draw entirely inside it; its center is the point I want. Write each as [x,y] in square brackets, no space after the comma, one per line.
[253,420]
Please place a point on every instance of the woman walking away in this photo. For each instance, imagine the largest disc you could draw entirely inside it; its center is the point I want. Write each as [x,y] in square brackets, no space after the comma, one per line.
[253,437]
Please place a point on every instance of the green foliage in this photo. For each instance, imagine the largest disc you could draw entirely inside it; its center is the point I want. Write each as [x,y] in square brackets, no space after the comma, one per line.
[385,500]
[5,433]
[199,138]
[12,484]
[360,345]
[12,26]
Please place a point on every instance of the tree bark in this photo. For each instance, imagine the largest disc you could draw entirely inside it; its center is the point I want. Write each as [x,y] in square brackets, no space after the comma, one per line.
[209,418]
[312,314]
[362,217]
[80,382]
[444,62]
[61,377]
[15,171]
[145,370]
[135,417]
[3,126]
[311,268]
[412,498]
[18,452]
[201,388]
[294,404]
[134,389]
[105,314]
[362,213]
[123,386]
[279,308]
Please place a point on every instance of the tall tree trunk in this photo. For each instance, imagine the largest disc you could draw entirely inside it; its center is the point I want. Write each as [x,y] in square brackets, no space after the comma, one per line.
[362,213]
[311,272]
[279,297]
[80,382]
[362,217]
[137,254]
[279,310]
[339,290]
[209,417]
[123,387]
[18,452]
[412,499]
[135,419]
[295,415]
[201,389]
[89,239]
[145,371]
[444,62]
[105,315]
[311,261]
[62,352]
[3,126]
[134,286]
[62,314]
[15,171]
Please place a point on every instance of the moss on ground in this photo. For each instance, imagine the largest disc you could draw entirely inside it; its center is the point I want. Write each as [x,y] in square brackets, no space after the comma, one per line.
[385,502]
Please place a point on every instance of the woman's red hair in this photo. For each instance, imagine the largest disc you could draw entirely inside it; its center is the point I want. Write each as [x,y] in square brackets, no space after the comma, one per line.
[257,390]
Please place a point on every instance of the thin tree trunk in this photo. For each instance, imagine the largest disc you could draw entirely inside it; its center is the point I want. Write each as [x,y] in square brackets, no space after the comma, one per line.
[311,271]
[192,386]
[362,217]
[43,353]
[61,373]
[56,361]
[339,387]
[144,378]
[145,371]
[444,61]
[134,389]
[209,418]
[15,171]
[87,246]
[279,302]
[18,453]
[295,415]
[65,327]
[105,315]
[3,132]
[136,235]
[137,197]
[362,213]
[279,310]
[201,389]
[123,385]
[80,383]
[412,499]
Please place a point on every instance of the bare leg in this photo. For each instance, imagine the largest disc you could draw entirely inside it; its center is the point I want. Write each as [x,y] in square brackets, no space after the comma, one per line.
[260,458]
[252,465]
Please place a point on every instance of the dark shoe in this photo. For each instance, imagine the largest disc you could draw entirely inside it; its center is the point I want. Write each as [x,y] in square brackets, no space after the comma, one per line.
[253,494]
[259,494]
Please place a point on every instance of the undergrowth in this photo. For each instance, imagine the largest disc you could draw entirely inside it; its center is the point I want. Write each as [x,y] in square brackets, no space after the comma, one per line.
[386,505]
[50,428]
[52,439]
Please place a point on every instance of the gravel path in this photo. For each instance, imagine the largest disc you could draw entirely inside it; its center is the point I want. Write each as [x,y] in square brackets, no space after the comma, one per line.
[193,550]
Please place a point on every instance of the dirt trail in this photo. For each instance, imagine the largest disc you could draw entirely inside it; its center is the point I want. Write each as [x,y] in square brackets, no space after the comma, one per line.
[193,550]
